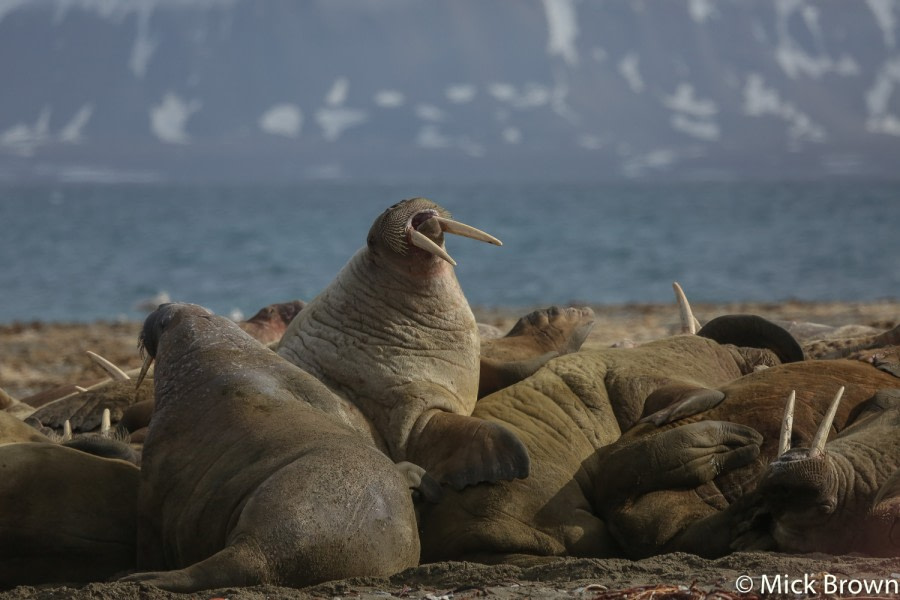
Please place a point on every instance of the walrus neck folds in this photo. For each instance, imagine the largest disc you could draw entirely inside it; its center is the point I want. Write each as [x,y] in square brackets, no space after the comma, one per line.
[394,335]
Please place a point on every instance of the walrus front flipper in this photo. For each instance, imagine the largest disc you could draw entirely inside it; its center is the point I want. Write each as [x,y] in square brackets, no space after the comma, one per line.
[233,566]
[677,401]
[461,451]
[495,374]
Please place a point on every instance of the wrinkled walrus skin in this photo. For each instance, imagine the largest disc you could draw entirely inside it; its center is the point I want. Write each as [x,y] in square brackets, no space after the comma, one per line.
[394,334]
[65,515]
[565,413]
[251,474]
[706,519]
[843,499]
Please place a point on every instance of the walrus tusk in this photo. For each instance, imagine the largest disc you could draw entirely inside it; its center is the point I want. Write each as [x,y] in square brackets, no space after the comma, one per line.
[455,227]
[689,324]
[787,425]
[115,372]
[67,431]
[105,423]
[80,389]
[818,443]
[144,367]
[420,240]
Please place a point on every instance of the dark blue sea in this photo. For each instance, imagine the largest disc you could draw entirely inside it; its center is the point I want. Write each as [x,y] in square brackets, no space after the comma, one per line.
[83,253]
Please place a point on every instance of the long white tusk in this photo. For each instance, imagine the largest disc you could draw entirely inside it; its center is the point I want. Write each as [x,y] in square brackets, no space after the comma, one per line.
[451,226]
[105,423]
[689,324]
[818,443]
[67,431]
[80,389]
[144,367]
[115,372]
[787,425]
[422,241]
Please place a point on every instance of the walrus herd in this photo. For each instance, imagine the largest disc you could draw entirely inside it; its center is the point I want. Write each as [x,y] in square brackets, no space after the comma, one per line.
[378,426]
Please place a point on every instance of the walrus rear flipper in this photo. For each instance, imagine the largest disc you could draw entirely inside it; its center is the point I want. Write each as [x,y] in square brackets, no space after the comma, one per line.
[461,451]
[233,566]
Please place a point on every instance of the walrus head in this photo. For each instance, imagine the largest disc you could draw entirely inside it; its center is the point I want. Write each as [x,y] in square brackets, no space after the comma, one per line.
[416,226]
[154,326]
[800,485]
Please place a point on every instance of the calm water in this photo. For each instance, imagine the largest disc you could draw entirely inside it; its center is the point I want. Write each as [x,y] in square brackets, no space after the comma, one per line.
[84,253]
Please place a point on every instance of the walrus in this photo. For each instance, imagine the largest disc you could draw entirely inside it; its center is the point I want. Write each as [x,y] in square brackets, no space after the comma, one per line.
[252,473]
[705,519]
[394,335]
[270,322]
[65,515]
[837,497]
[565,414]
[83,405]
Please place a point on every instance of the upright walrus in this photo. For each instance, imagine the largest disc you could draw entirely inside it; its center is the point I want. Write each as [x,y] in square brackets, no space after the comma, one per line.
[249,475]
[394,334]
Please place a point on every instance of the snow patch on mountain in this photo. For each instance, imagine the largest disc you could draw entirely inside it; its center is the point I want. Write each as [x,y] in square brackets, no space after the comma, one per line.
[760,100]
[24,139]
[72,132]
[684,100]
[562,30]
[389,98]
[707,131]
[628,68]
[144,44]
[284,119]
[335,121]
[878,97]
[701,10]
[169,118]
[512,135]
[337,95]
[460,93]
[883,10]
[430,112]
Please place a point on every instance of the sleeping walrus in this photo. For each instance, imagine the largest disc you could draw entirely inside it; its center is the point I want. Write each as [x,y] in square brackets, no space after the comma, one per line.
[252,472]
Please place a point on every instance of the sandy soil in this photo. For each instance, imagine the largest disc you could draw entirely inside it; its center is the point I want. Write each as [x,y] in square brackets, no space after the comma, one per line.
[39,356]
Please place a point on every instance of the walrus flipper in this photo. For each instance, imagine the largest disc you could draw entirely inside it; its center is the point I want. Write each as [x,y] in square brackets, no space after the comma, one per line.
[462,451]
[230,567]
[678,401]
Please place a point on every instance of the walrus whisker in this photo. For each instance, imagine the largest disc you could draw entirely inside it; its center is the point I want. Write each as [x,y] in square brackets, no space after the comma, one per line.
[420,240]
[787,425]
[689,323]
[455,227]
[115,372]
[148,360]
[67,431]
[105,423]
[818,444]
